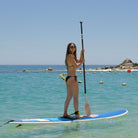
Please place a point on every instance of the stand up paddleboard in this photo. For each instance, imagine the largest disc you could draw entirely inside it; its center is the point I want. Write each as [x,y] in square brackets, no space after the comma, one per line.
[106,115]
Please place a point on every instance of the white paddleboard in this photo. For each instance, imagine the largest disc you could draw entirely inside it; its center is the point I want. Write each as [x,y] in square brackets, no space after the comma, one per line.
[48,120]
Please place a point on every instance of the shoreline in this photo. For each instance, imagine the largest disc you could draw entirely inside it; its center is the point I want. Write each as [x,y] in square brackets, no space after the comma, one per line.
[107,70]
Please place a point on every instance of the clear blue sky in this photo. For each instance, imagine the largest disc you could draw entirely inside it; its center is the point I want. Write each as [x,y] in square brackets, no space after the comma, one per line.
[38,31]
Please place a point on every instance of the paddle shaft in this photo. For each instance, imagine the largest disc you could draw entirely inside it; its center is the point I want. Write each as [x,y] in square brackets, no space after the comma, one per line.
[83,57]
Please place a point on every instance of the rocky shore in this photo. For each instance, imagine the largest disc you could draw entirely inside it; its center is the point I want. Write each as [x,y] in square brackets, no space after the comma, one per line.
[126,64]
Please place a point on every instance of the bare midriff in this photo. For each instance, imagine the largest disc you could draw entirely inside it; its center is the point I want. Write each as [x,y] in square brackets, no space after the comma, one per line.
[72,71]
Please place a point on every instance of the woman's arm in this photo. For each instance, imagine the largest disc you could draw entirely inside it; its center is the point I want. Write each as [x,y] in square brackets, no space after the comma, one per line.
[81,56]
[74,63]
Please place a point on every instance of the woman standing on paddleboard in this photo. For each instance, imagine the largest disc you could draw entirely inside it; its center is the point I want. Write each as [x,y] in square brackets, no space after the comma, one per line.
[72,64]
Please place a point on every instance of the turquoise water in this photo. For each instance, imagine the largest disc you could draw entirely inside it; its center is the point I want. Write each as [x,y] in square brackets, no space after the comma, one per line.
[37,94]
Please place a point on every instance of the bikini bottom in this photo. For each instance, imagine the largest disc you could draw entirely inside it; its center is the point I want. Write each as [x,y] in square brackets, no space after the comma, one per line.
[71,76]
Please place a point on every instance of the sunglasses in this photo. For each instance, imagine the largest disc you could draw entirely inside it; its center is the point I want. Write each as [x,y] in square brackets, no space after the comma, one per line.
[72,46]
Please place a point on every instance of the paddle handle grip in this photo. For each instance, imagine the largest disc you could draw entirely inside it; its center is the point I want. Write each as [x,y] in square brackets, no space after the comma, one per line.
[83,57]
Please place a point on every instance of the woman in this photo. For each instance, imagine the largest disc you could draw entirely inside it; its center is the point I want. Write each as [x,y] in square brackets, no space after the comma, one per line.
[72,63]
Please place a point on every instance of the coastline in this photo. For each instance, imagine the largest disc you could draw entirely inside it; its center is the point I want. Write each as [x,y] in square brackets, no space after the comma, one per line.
[123,67]
[108,70]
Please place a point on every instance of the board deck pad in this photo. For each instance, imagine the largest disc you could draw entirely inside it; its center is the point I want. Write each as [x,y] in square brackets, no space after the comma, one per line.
[48,120]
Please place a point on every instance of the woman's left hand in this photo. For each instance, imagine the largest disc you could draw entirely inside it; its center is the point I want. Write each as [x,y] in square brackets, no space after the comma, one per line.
[82,51]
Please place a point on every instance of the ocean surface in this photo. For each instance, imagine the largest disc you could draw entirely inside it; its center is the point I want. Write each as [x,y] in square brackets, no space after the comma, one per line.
[38,93]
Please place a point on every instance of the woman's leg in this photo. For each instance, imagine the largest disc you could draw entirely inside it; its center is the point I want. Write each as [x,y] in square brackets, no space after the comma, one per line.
[68,99]
[75,93]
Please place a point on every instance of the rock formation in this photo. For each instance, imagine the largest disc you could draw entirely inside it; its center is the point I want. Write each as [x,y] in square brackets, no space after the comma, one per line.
[126,64]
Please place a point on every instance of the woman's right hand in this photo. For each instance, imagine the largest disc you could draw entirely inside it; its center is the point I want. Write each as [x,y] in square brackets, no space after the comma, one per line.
[83,60]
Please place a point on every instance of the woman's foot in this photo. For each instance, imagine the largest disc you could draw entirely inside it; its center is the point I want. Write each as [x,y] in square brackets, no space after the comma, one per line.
[67,116]
[77,116]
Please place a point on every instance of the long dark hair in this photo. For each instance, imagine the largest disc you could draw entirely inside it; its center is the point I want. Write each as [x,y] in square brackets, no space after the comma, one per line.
[69,52]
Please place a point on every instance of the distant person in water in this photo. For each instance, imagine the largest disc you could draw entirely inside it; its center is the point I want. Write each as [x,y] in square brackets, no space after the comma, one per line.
[72,64]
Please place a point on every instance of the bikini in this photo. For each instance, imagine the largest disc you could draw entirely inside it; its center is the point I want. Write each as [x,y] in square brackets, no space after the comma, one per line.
[75,77]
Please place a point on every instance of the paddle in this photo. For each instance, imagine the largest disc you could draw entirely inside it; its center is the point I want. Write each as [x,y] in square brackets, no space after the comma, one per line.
[87,107]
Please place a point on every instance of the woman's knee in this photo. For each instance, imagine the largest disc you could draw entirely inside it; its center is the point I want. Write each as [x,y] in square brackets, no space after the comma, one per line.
[75,98]
[69,98]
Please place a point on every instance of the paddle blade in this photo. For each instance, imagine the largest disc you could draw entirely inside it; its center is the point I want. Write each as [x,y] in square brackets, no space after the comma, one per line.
[87,107]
